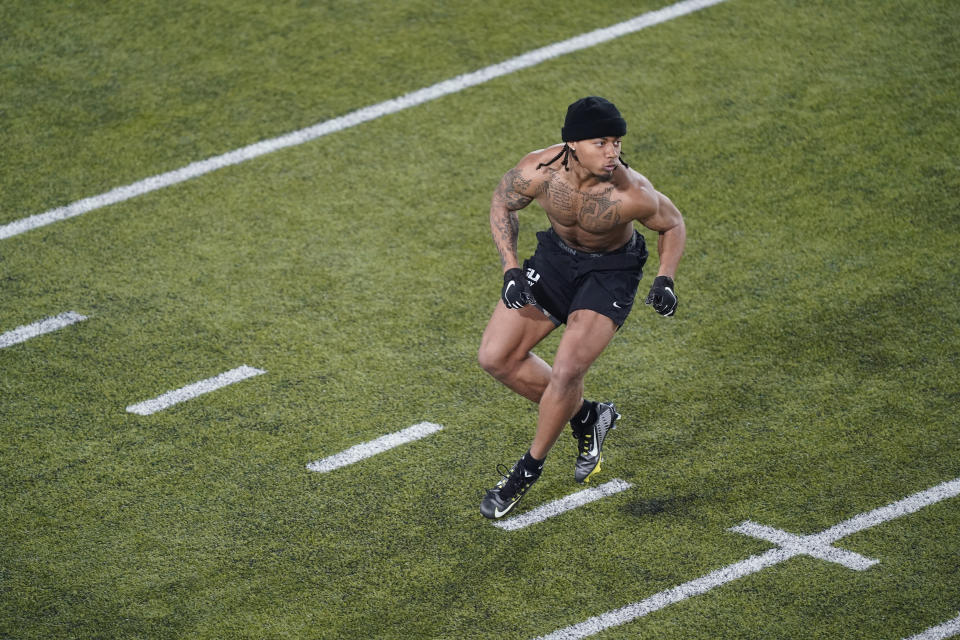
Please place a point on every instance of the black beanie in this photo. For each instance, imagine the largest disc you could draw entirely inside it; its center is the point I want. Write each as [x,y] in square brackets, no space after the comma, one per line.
[592,117]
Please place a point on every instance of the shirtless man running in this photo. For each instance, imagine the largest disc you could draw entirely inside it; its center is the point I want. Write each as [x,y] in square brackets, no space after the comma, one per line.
[584,273]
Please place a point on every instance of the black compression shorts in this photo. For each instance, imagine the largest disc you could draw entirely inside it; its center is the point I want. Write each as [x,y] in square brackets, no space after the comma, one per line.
[564,280]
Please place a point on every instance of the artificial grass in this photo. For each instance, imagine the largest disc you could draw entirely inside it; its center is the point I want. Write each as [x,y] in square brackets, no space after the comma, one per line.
[809,375]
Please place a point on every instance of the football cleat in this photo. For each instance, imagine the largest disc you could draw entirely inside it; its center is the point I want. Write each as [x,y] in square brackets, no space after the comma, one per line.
[503,497]
[590,441]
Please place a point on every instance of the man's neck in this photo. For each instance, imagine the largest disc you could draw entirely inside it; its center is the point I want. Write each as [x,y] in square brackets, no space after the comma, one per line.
[583,180]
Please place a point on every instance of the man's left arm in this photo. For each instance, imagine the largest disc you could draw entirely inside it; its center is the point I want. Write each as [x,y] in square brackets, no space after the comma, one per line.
[672,238]
[667,221]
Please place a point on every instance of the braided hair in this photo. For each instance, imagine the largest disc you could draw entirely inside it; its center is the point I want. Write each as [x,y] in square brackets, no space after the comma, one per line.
[565,153]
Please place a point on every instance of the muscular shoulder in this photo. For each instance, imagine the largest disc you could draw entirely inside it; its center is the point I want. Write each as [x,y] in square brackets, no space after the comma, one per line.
[543,156]
[527,179]
[533,166]
[636,192]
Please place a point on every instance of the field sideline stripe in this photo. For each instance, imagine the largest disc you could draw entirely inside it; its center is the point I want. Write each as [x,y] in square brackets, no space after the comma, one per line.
[191,391]
[38,328]
[753,564]
[562,505]
[354,118]
[940,632]
[359,452]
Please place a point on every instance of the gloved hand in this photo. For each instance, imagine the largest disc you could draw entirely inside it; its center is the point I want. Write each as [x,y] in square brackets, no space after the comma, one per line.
[662,296]
[516,292]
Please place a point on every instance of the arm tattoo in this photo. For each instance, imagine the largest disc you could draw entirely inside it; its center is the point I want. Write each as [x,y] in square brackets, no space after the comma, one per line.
[506,224]
[510,190]
[506,232]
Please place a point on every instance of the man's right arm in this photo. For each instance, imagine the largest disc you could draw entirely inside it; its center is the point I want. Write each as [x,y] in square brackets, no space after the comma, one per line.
[510,196]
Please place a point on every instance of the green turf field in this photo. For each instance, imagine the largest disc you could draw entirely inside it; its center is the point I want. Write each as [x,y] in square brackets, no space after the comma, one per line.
[810,374]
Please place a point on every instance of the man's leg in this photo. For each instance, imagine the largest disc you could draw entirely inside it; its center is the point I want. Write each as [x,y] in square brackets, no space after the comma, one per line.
[505,350]
[505,354]
[558,390]
[587,334]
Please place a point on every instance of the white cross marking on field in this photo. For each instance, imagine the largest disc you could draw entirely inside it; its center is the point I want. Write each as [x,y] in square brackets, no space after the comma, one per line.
[789,546]
[807,545]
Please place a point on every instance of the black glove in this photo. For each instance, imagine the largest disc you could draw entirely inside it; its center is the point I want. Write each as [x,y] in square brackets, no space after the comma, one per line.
[662,296]
[516,292]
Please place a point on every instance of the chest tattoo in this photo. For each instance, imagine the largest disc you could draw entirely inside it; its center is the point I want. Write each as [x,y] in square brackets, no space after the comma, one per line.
[592,211]
[561,195]
[600,208]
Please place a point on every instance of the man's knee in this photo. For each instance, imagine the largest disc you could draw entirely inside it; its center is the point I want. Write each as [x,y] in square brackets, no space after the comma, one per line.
[494,361]
[488,359]
[568,373]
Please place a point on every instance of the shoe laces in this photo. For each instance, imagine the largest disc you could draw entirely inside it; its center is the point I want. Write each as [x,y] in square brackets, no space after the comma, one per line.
[587,430]
[585,441]
[513,481]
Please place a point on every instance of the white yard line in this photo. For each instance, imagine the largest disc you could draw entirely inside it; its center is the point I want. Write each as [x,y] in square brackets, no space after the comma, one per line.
[191,391]
[372,448]
[903,507]
[27,331]
[940,632]
[354,118]
[660,600]
[756,563]
[563,505]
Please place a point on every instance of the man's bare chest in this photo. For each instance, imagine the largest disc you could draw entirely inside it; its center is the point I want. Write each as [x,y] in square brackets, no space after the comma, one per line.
[595,211]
